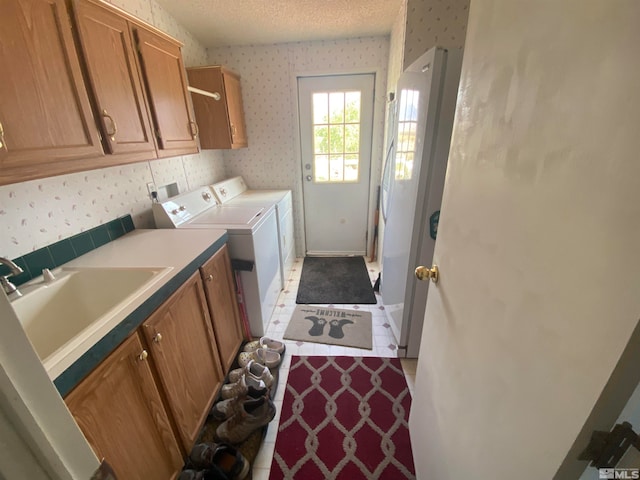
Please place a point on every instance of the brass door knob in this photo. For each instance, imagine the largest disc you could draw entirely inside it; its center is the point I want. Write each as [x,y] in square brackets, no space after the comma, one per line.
[424,273]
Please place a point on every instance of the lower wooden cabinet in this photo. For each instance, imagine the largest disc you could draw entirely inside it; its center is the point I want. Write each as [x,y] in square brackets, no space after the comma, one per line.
[184,352]
[143,407]
[119,409]
[223,305]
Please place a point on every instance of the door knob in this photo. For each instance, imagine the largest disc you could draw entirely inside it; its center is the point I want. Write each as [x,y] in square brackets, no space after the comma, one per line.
[424,273]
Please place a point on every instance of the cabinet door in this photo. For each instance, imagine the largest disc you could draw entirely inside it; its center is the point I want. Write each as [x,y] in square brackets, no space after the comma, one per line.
[210,113]
[115,80]
[120,412]
[45,114]
[223,306]
[184,351]
[235,109]
[163,70]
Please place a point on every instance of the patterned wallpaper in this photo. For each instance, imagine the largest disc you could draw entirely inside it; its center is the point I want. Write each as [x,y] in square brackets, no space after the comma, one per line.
[396,48]
[434,22]
[269,90]
[39,212]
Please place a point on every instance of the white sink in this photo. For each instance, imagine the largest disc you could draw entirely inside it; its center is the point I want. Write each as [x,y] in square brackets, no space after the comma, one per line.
[67,316]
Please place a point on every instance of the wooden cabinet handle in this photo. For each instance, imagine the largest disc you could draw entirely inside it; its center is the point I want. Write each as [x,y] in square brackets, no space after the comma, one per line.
[194,129]
[210,278]
[157,337]
[111,134]
[2,142]
[143,355]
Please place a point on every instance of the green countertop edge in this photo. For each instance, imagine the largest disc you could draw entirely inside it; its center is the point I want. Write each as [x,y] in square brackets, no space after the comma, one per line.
[67,380]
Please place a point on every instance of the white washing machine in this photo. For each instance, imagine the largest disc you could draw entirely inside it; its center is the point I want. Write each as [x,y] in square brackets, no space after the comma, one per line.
[234,192]
[253,236]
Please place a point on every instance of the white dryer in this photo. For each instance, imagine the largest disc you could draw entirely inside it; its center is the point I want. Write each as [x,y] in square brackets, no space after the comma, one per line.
[253,236]
[234,192]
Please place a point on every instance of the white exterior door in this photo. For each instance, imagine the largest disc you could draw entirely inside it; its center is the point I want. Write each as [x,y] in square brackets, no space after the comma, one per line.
[538,244]
[336,118]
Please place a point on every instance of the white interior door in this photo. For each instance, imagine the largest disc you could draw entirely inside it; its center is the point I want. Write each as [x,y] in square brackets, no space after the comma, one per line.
[336,121]
[537,243]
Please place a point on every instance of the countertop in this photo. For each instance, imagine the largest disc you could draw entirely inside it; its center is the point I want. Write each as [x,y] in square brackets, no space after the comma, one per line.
[181,250]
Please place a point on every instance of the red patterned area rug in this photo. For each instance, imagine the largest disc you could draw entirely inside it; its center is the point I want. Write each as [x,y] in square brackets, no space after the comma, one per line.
[344,418]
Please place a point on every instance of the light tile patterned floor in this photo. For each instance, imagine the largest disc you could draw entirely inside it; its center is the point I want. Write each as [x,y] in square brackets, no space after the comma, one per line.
[384,345]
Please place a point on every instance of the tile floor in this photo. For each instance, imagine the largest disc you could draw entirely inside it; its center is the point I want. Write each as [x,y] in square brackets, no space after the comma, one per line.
[384,345]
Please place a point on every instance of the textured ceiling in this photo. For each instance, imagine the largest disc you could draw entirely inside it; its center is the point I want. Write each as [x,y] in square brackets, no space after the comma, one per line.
[218,23]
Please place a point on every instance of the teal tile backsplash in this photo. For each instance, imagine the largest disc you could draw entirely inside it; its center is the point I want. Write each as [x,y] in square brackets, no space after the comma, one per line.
[82,243]
[100,235]
[38,260]
[61,252]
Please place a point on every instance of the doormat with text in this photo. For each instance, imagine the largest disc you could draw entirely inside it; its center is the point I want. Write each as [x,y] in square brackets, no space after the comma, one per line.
[334,326]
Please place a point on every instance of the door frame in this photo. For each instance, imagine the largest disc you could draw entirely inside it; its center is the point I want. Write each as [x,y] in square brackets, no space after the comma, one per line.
[377,139]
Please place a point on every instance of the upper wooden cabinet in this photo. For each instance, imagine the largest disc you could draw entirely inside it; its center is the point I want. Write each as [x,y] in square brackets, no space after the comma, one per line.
[113,93]
[46,124]
[164,74]
[223,305]
[221,122]
[112,70]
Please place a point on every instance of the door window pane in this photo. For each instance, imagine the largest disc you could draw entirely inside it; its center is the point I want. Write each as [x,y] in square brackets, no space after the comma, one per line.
[351,168]
[352,138]
[352,107]
[336,107]
[336,167]
[336,138]
[321,139]
[320,108]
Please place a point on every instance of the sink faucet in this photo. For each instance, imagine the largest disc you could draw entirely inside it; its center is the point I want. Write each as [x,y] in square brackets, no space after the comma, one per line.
[9,288]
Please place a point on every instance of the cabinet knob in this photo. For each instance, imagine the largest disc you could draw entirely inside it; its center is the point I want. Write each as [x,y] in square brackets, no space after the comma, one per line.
[157,337]
[143,355]
[210,278]
[3,144]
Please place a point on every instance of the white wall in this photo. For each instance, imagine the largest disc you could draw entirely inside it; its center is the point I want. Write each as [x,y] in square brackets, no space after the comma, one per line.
[37,213]
[269,90]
